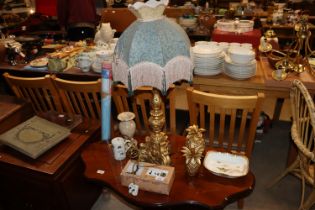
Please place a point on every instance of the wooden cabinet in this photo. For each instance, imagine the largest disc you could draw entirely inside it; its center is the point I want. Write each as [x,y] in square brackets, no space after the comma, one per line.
[68,189]
[121,18]
[53,181]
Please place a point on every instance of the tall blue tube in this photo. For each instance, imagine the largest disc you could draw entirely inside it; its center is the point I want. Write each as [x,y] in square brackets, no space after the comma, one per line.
[106,100]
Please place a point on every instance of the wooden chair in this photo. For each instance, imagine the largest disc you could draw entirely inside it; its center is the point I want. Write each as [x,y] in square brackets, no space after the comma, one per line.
[226,111]
[80,97]
[140,104]
[302,133]
[232,120]
[40,91]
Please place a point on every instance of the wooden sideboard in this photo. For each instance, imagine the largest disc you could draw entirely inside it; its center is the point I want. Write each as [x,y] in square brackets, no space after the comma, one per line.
[53,181]
[121,18]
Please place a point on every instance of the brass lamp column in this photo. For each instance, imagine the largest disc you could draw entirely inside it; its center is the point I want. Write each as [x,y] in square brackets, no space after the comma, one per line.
[156,146]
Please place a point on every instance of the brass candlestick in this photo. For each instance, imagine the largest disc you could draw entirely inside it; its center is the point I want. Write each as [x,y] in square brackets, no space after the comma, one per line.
[156,146]
[295,61]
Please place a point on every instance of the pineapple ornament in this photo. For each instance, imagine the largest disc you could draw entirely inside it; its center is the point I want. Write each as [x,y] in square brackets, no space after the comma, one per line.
[194,148]
[195,137]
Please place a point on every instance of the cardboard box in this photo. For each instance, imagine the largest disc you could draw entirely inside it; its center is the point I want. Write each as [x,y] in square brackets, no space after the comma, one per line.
[149,177]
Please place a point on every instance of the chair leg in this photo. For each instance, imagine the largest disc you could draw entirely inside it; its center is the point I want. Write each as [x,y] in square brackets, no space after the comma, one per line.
[293,166]
[240,203]
[310,201]
[303,192]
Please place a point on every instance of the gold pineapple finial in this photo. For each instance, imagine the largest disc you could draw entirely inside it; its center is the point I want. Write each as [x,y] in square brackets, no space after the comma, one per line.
[194,148]
[195,137]
[193,159]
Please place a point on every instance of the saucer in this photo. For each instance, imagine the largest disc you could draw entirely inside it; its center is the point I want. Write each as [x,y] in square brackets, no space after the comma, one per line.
[283,76]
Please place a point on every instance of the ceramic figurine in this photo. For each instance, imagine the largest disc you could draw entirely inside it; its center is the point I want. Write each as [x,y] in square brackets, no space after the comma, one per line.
[105,33]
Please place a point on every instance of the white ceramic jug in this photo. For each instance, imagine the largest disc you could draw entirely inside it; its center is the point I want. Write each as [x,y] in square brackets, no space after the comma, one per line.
[105,33]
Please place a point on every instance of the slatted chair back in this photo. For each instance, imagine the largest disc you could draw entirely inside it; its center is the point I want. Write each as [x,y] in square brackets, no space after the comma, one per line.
[81,97]
[40,91]
[232,119]
[140,104]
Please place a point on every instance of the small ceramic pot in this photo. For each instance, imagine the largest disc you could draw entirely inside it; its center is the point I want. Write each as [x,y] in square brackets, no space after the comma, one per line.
[119,148]
[127,125]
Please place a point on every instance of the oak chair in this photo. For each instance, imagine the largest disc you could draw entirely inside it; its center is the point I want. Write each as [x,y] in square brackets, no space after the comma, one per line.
[302,133]
[40,91]
[140,102]
[80,97]
[232,120]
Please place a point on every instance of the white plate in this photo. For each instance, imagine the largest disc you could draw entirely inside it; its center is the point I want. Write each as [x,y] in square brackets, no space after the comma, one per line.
[209,50]
[239,76]
[226,164]
[212,72]
[39,62]
[251,63]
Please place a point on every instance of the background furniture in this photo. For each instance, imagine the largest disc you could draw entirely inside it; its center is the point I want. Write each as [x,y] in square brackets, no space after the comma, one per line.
[54,180]
[121,18]
[302,132]
[205,190]
[40,91]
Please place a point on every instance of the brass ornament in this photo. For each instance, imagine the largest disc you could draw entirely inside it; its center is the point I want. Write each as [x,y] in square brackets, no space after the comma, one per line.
[193,159]
[296,61]
[193,149]
[156,149]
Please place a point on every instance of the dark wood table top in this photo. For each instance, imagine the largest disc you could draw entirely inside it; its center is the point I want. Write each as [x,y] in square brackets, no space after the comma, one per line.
[204,190]
[72,73]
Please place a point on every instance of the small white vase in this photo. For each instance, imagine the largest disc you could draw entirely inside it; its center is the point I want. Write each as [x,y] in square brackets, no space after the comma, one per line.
[127,125]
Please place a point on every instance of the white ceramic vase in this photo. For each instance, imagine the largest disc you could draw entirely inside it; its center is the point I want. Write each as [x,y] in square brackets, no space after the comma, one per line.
[127,125]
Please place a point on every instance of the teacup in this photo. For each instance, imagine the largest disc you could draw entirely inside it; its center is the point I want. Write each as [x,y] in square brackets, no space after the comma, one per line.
[84,62]
[279,74]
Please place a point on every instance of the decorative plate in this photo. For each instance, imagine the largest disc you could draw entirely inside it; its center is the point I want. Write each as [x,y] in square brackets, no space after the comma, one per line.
[40,62]
[226,164]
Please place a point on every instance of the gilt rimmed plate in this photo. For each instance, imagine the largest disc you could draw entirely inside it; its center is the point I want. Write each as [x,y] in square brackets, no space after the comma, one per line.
[226,164]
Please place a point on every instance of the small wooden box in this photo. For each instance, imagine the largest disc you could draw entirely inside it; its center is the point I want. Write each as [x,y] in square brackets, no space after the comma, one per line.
[148,176]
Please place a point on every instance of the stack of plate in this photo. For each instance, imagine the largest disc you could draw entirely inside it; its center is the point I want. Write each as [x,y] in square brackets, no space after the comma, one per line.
[239,71]
[190,23]
[208,60]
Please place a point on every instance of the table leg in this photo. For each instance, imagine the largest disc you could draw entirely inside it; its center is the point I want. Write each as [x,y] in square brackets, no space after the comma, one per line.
[278,107]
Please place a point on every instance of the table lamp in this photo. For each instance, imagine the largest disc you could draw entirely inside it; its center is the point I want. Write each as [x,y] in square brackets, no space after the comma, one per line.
[153,51]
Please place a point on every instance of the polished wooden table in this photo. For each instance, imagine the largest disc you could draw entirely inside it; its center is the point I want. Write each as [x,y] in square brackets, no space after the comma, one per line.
[52,181]
[205,190]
